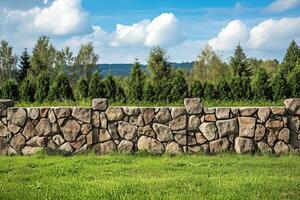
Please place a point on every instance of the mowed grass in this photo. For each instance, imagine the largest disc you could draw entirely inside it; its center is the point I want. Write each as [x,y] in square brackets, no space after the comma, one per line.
[150,177]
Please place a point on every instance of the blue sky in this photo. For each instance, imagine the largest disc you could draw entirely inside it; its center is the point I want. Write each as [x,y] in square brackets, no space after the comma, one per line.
[122,30]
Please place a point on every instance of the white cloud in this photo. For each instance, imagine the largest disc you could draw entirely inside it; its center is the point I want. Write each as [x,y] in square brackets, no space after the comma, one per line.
[274,34]
[60,18]
[163,30]
[282,5]
[233,33]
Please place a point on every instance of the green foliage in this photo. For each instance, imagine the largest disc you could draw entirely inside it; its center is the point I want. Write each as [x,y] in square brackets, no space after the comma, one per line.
[82,89]
[291,57]
[10,90]
[209,91]
[260,85]
[179,89]
[27,90]
[240,88]
[42,87]
[294,81]
[223,89]
[197,90]
[149,92]
[280,87]
[96,86]
[24,66]
[43,57]
[158,64]
[239,63]
[110,87]
[136,82]
[120,94]
[60,89]
[8,62]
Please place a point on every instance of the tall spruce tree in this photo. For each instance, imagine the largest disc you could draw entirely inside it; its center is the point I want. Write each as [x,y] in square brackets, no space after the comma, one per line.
[27,90]
[149,92]
[239,63]
[280,87]
[42,87]
[24,66]
[96,86]
[179,89]
[291,57]
[260,85]
[82,89]
[136,82]
[60,89]
[197,89]
[110,87]
[294,82]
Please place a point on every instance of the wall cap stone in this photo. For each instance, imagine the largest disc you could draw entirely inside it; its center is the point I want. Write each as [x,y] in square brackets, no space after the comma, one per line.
[5,103]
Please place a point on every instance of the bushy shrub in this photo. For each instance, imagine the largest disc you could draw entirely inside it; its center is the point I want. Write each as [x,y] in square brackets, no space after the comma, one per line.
[260,85]
[240,88]
[294,82]
[209,91]
[223,89]
[60,89]
[10,90]
[280,87]
[96,86]
[179,89]
[42,87]
[197,89]
[110,87]
[82,89]
[27,90]
[149,92]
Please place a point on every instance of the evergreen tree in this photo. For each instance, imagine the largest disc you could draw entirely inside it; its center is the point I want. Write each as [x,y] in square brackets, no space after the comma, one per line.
[209,91]
[110,87]
[179,89]
[24,66]
[280,87]
[240,88]
[27,90]
[291,57]
[96,86]
[8,62]
[294,82]
[42,87]
[10,90]
[223,89]
[260,85]
[149,92]
[197,90]
[158,64]
[120,94]
[60,89]
[136,82]
[239,63]
[82,89]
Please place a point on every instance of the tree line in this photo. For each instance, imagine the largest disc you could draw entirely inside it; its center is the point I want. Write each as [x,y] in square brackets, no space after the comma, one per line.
[48,74]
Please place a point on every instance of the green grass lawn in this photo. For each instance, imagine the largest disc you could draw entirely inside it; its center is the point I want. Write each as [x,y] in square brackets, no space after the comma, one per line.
[206,103]
[150,177]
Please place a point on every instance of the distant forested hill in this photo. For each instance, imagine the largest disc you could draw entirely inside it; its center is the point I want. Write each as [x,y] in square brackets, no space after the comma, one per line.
[124,69]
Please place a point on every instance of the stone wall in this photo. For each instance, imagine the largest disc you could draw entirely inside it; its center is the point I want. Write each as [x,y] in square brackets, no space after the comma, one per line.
[174,130]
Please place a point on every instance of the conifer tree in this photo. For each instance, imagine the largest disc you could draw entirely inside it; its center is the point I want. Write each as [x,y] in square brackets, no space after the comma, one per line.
[291,57]
[42,87]
[24,66]
[82,89]
[223,89]
[10,90]
[110,87]
[260,85]
[239,63]
[60,89]
[294,82]
[96,86]
[179,89]
[136,82]
[27,90]
[280,87]
[197,90]
[149,92]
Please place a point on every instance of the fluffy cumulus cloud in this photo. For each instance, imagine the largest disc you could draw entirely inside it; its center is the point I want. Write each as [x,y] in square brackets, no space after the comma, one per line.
[282,5]
[274,34]
[163,30]
[60,18]
[234,32]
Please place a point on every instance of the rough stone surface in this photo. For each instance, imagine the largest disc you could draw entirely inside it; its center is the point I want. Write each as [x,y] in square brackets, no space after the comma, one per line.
[193,123]
[58,139]
[178,124]
[112,129]
[227,127]
[136,120]
[108,147]
[284,135]
[79,142]
[71,130]
[44,127]
[30,150]
[247,112]
[293,105]
[17,116]
[281,148]
[180,138]
[96,119]
[264,147]
[92,137]
[86,128]
[263,114]
[132,111]
[115,114]
[126,146]
[193,106]
[51,116]
[36,142]
[163,132]
[148,115]
[173,148]
[33,113]
[220,145]
[103,120]
[222,113]
[66,148]
[247,126]
[100,104]
[146,130]
[82,114]
[274,124]
[104,136]
[176,112]
[244,145]
[62,112]
[208,130]
[127,130]
[151,145]
[271,138]
[200,138]
[260,132]
[278,111]
[18,142]
[163,116]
